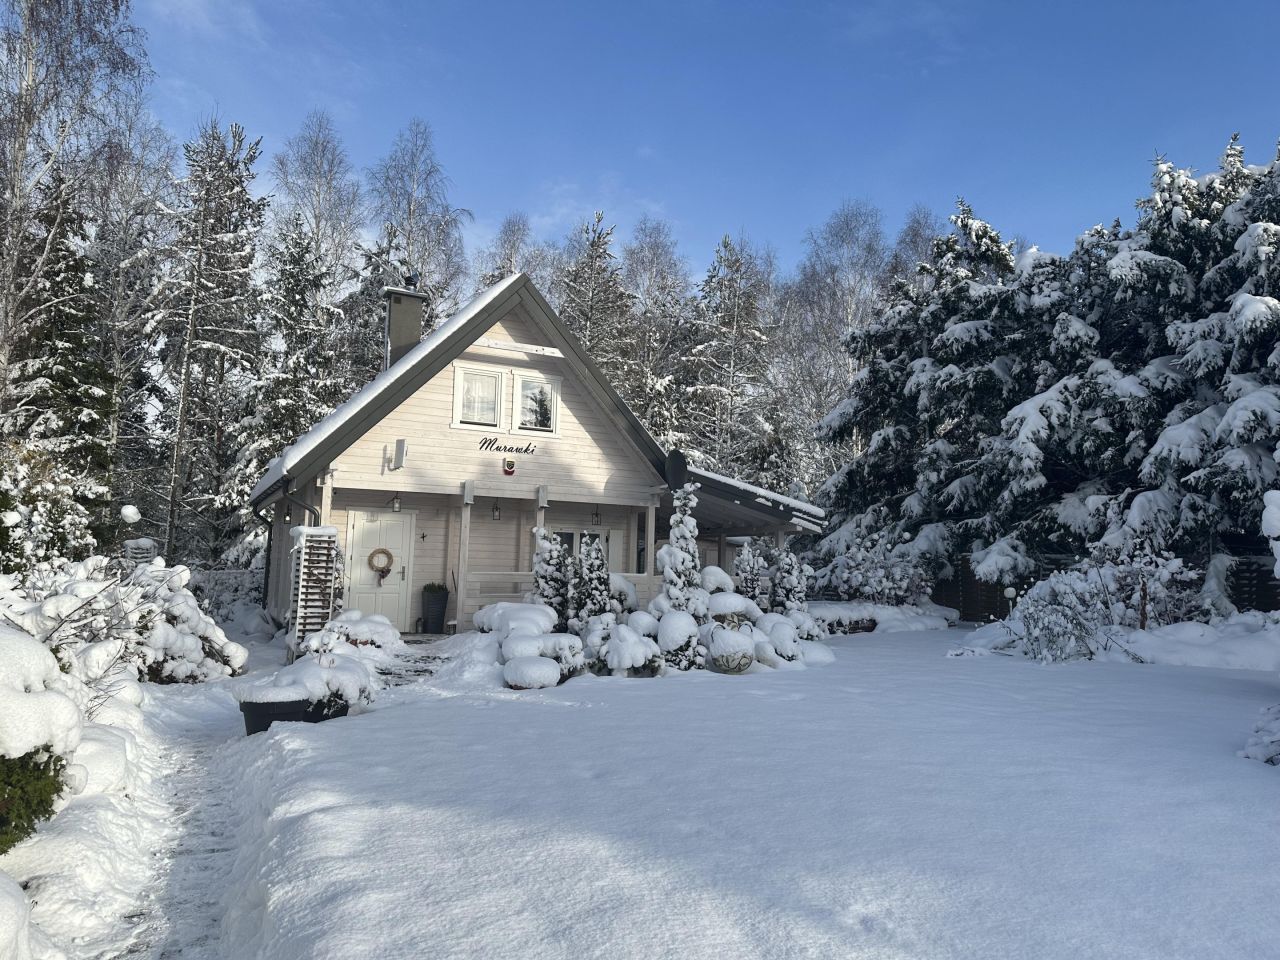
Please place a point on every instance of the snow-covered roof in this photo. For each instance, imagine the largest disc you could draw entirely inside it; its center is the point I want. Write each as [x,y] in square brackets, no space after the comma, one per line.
[802,514]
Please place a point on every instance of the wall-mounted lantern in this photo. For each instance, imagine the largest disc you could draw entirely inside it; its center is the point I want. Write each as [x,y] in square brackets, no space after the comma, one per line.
[595,517]
[288,513]
[497,511]
[395,503]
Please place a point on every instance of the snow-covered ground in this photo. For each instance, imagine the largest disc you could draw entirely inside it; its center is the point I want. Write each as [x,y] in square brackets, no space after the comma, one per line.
[896,803]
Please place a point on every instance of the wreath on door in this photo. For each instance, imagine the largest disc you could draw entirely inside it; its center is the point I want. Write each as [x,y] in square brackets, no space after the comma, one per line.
[380,562]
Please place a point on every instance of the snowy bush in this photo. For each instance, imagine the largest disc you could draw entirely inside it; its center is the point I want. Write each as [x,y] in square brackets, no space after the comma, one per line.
[731,650]
[1264,744]
[643,622]
[622,594]
[508,619]
[715,580]
[879,568]
[359,630]
[531,673]
[751,567]
[99,616]
[43,520]
[224,593]
[782,635]
[678,560]
[331,674]
[40,726]
[566,650]
[552,585]
[788,584]
[591,595]
[678,641]
[732,608]
[625,652]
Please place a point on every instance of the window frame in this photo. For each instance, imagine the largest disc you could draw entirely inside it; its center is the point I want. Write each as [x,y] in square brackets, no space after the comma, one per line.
[518,379]
[460,371]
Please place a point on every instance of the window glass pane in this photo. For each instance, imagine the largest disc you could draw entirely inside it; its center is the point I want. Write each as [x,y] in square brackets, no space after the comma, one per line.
[537,405]
[479,398]
[566,540]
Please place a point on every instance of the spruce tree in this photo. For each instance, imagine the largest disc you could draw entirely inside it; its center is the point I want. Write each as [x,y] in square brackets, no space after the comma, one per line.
[594,305]
[551,585]
[209,318]
[590,597]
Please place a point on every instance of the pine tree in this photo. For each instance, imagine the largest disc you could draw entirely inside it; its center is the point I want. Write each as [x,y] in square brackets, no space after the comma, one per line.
[551,585]
[297,377]
[212,341]
[749,567]
[728,360]
[57,398]
[43,519]
[788,583]
[590,596]
[594,305]
[679,561]
[360,341]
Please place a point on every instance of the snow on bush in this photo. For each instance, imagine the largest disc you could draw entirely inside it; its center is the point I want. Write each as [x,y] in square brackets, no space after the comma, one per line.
[828,617]
[678,641]
[626,652]
[323,677]
[43,520]
[723,606]
[678,560]
[507,619]
[715,580]
[1264,744]
[36,711]
[362,630]
[751,568]
[1087,611]
[99,615]
[643,622]
[1271,523]
[731,650]
[622,593]
[531,673]
[590,596]
[877,567]
[523,645]
[788,583]
[566,650]
[552,584]
[782,635]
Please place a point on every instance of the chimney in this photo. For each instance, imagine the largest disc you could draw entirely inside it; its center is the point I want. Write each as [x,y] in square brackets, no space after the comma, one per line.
[402,326]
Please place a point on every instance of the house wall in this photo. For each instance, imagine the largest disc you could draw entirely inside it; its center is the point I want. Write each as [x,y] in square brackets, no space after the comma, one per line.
[587,460]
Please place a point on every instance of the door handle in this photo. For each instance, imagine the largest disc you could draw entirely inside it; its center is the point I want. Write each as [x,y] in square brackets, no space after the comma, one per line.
[402,573]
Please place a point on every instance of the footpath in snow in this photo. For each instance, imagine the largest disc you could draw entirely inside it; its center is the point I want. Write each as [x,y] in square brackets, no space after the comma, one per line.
[897,803]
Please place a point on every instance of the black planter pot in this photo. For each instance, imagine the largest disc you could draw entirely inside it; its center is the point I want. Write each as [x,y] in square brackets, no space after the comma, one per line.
[434,604]
[324,710]
[259,716]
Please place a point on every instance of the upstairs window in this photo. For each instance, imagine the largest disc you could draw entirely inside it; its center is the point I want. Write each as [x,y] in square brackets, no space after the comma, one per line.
[537,401]
[478,404]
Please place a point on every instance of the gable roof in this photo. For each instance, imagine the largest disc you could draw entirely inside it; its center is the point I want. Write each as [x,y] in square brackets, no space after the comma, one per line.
[324,442]
[320,445]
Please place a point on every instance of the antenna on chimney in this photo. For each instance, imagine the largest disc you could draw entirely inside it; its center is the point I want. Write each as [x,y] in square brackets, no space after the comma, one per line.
[411,281]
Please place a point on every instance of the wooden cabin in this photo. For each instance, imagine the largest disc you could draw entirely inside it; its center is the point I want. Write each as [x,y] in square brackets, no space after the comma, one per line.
[496,422]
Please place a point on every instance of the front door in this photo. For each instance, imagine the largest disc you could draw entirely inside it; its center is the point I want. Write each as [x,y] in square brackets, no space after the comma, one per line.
[380,540]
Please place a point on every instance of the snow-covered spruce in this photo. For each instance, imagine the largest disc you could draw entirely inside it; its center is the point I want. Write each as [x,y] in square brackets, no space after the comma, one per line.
[678,560]
[788,583]
[1264,744]
[551,583]
[751,568]
[679,641]
[591,590]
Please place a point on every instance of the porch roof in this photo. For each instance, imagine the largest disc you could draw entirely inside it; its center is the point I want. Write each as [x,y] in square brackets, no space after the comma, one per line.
[733,507]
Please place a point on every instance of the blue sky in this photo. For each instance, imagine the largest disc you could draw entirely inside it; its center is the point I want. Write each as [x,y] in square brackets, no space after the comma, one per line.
[727,117]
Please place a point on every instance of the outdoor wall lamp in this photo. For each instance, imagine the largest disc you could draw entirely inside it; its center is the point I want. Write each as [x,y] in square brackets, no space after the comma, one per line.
[395,503]
[497,511]
[595,517]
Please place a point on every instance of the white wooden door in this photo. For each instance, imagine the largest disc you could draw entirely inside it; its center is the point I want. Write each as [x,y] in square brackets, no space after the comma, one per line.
[370,530]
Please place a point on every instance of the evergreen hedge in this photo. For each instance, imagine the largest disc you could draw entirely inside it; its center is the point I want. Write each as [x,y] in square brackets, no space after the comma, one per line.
[29,785]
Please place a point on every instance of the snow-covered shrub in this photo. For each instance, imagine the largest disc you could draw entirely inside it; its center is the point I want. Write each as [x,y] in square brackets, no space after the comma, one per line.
[625,652]
[678,641]
[622,594]
[332,674]
[751,567]
[566,650]
[643,622]
[732,608]
[590,596]
[99,615]
[879,568]
[715,580]
[1264,744]
[678,560]
[40,726]
[1148,587]
[788,584]
[43,519]
[731,650]
[807,626]
[782,635]
[1060,617]
[552,584]
[361,630]
[508,619]
[531,673]
[524,645]
[223,593]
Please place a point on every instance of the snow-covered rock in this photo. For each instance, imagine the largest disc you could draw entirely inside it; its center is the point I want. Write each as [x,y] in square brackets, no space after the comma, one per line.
[531,673]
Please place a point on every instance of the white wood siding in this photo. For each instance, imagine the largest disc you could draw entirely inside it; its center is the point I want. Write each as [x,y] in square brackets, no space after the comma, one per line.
[588,460]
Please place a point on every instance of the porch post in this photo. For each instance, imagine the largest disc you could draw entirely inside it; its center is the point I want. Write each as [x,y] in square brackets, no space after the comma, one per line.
[542,506]
[650,538]
[464,548]
[720,552]
[779,538]
[326,496]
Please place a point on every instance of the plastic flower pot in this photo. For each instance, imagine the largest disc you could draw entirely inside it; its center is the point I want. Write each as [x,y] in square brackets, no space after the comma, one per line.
[259,716]
[435,600]
[319,710]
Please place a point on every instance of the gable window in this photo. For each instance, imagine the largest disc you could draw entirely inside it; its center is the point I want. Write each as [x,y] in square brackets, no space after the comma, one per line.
[478,393]
[537,403]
